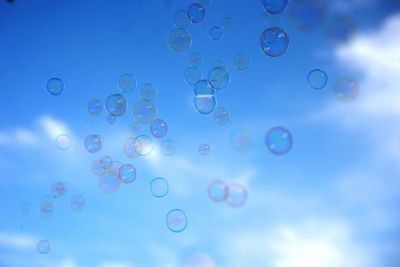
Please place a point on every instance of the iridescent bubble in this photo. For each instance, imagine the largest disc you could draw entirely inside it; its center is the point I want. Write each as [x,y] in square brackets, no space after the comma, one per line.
[116,105]
[204,104]
[55,86]
[341,30]
[77,203]
[217,191]
[106,162]
[97,169]
[134,128]
[195,59]
[241,140]
[203,87]
[181,19]
[274,6]
[215,33]
[25,207]
[144,111]
[192,75]
[308,15]
[126,82]
[108,183]
[204,149]
[127,173]
[159,187]
[241,62]
[58,189]
[279,140]
[219,78]
[111,120]
[176,220]
[274,42]
[237,195]
[143,145]
[63,141]
[148,92]
[317,79]
[220,64]
[221,116]
[346,90]
[159,128]
[228,23]
[168,147]
[46,206]
[196,12]
[95,106]
[93,143]
[43,247]
[129,148]
[179,40]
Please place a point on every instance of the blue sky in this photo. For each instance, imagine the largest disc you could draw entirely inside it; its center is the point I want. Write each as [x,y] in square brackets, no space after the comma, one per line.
[332,201]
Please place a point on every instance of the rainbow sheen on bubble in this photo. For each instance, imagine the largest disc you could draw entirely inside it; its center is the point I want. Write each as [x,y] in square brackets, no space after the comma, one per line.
[279,140]
[143,145]
[55,86]
[274,42]
[159,187]
[317,79]
[176,220]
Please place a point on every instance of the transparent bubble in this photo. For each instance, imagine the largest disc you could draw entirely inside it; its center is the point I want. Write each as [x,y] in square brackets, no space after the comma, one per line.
[97,169]
[241,140]
[134,128]
[58,189]
[108,183]
[196,12]
[55,86]
[144,111]
[204,104]
[93,143]
[25,207]
[168,147]
[143,145]
[46,206]
[204,149]
[204,88]
[217,191]
[219,78]
[215,33]
[179,40]
[148,92]
[63,141]
[106,162]
[43,247]
[317,79]
[307,15]
[114,170]
[159,128]
[198,259]
[220,64]
[176,220]
[95,106]
[237,195]
[195,59]
[204,2]
[228,23]
[221,116]
[341,30]
[346,90]
[241,62]
[126,82]
[111,120]
[279,140]
[274,6]
[274,42]
[159,187]
[77,203]
[129,148]
[181,19]
[127,173]
[116,105]
[192,75]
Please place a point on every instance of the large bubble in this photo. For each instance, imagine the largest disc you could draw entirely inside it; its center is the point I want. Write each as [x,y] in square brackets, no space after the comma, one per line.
[176,220]
[196,12]
[159,128]
[179,40]
[279,140]
[126,83]
[317,79]
[116,105]
[95,106]
[144,111]
[346,90]
[143,145]
[237,195]
[192,75]
[55,86]
[217,191]
[148,92]
[159,187]
[274,42]
[46,206]
[93,143]
[127,173]
[215,33]
[241,62]
[181,19]
[219,78]
[43,247]
[274,6]
[221,116]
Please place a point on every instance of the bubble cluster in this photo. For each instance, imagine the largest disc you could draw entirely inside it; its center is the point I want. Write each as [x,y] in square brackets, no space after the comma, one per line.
[219,78]
[215,33]
[204,149]
[63,141]
[237,195]
[176,220]
[274,42]
[159,187]
[196,12]
[217,191]
[116,105]
[43,247]
[279,140]
[181,19]
[55,86]
[95,106]
[221,116]
[127,173]
[192,75]
[179,40]
[144,111]
[317,79]
[58,189]
[77,202]
[203,87]
[159,128]
[97,168]
[274,6]
[346,90]
[241,62]
[126,83]
[93,143]
[168,147]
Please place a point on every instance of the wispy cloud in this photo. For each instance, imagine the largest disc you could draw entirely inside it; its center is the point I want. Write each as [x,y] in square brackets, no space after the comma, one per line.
[17,241]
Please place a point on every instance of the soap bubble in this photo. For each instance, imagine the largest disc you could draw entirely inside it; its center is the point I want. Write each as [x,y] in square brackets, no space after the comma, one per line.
[144,111]
[58,189]
[77,203]
[134,128]
[108,183]
[55,86]
[217,191]
[93,143]
[126,83]
[106,162]
[114,170]
[241,62]
[148,92]
[204,149]
[179,40]
[127,173]
[196,12]
[97,169]
[129,148]
[274,6]
[204,88]
[204,104]
[63,141]
[215,33]
[181,19]
[279,140]
[341,31]
[116,105]
[308,15]
[317,79]
[221,116]
[159,187]
[228,23]
[143,145]
[346,90]
[95,106]
[43,247]
[237,195]
[159,128]
[241,139]
[219,78]
[46,206]
[192,75]
[195,59]
[176,220]
[168,147]
[111,120]
[274,42]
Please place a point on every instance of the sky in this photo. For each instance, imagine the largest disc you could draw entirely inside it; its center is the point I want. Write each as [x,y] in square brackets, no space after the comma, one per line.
[331,201]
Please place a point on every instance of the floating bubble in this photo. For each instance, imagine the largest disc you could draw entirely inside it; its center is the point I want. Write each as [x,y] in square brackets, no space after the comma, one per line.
[116,105]
[181,19]
[217,191]
[106,162]
[97,168]
[179,40]
[241,140]
[55,86]
[168,147]
[129,148]
[346,90]
[192,75]
[317,79]
[77,203]
[63,141]
[95,106]
[114,170]
[176,220]
[221,116]
[219,78]
[204,104]
[143,145]
[228,23]
[159,187]
[148,92]
[46,206]
[134,128]
[111,120]
[220,64]
[279,140]
[108,183]
[274,42]
[204,88]
[215,33]
[307,15]
[204,149]
[196,12]
[144,111]
[237,195]
[93,143]
[241,62]
[159,128]
[195,59]
[274,6]
[25,207]
[127,173]
[43,247]
[58,189]
[126,82]
[341,31]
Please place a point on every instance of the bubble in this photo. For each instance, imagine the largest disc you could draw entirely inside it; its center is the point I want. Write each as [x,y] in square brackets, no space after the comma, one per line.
[106,162]
[195,59]
[203,87]
[55,86]
[111,120]
[25,207]
[279,140]
[46,206]
[192,75]
[97,169]
[317,79]
[129,148]
[181,19]
[127,173]
[341,31]
[144,111]
[219,78]
[77,203]
[43,247]
[307,15]
[196,12]
[346,90]
[63,141]
[176,220]
[143,145]
[148,92]
[228,23]
[95,106]
[221,116]
[237,195]
[168,147]
[126,82]
[204,104]
[215,33]
[179,40]
[217,191]
[93,143]
[159,128]
[274,42]
[274,6]
[114,170]
[134,128]
[241,62]
[241,140]
[159,187]
[116,105]
[108,183]
[58,189]
[204,149]
[220,64]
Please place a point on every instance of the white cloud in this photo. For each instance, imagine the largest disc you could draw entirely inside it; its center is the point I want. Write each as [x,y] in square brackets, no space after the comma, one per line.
[17,241]
[53,127]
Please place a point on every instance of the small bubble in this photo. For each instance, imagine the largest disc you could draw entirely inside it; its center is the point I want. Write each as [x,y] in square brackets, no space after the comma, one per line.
[217,191]
[241,62]
[221,116]
[237,195]
[55,86]
[179,40]
[279,140]
[176,220]
[63,141]
[127,173]
[43,247]
[204,149]
[126,83]
[159,128]
[215,33]
[181,19]
[95,106]
[116,105]
[274,42]
[317,79]
[159,187]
